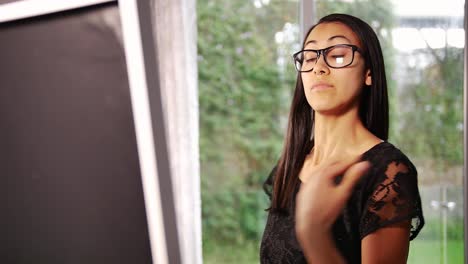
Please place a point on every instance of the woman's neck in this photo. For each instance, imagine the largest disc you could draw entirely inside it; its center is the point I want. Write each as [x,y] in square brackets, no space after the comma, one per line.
[337,137]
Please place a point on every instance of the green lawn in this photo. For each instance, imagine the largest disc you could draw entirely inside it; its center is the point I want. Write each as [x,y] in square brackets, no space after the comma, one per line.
[421,252]
[247,253]
[430,251]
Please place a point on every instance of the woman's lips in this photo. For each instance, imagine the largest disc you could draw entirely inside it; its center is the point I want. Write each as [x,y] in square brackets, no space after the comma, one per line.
[321,86]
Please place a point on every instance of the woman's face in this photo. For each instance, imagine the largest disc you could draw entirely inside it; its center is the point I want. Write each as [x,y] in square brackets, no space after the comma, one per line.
[331,91]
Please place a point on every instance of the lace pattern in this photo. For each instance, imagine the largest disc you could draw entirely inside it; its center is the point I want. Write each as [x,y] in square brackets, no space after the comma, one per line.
[388,194]
[395,198]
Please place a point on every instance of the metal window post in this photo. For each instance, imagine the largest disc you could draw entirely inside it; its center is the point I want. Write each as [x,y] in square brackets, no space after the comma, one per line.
[307,16]
[465,138]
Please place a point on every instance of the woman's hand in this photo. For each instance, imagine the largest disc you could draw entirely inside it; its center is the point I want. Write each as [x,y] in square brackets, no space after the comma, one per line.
[320,201]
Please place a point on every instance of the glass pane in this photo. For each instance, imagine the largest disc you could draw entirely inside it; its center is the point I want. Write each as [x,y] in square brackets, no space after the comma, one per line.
[424,59]
[429,78]
[246,76]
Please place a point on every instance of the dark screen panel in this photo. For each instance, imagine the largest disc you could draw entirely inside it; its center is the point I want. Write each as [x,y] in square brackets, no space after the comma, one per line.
[68,152]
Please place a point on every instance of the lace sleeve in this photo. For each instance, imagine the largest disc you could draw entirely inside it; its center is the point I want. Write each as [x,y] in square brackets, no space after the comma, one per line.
[394,198]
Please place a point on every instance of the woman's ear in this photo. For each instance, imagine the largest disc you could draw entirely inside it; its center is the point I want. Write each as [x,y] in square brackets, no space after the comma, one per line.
[368,80]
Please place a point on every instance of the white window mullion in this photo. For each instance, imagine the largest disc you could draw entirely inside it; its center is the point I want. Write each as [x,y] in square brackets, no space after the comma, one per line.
[31,8]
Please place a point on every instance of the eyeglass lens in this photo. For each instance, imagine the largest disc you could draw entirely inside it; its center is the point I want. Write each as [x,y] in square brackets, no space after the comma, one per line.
[336,57]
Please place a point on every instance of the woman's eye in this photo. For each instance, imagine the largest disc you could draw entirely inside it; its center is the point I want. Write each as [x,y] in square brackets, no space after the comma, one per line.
[337,56]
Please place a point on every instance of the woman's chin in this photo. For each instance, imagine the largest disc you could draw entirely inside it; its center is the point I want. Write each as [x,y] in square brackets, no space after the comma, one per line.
[327,110]
[322,108]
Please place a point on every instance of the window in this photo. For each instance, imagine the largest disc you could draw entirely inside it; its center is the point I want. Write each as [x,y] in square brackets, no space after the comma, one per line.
[246,77]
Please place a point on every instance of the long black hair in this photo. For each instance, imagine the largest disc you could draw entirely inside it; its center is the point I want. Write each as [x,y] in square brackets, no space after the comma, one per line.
[373,112]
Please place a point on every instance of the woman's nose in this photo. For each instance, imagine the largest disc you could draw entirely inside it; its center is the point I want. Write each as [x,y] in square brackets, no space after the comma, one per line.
[321,66]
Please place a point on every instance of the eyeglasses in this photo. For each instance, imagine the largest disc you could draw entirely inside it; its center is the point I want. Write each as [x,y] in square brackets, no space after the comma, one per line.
[337,56]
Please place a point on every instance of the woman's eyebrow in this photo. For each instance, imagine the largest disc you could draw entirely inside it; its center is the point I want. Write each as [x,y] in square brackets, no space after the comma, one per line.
[329,39]
[339,36]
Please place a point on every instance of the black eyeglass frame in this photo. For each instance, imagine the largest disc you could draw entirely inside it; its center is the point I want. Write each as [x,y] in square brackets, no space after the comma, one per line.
[324,52]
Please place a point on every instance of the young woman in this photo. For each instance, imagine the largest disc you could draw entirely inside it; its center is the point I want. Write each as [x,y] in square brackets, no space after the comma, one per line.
[340,192]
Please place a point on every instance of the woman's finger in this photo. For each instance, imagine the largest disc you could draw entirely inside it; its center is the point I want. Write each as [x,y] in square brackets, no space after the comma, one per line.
[353,175]
[338,168]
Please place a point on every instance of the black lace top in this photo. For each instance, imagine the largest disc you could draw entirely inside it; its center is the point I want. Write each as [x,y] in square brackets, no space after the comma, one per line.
[387,194]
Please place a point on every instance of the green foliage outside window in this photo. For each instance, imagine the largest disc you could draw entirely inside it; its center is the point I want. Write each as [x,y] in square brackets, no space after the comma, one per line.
[243,97]
[438,93]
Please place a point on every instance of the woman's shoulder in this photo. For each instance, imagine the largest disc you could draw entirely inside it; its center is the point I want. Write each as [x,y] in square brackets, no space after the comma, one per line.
[389,165]
[385,153]
[389,191]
